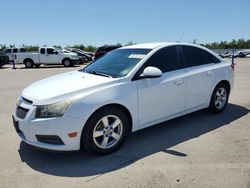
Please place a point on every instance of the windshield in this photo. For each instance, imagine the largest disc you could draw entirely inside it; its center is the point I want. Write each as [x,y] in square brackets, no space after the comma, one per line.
[117,63]
[59,50]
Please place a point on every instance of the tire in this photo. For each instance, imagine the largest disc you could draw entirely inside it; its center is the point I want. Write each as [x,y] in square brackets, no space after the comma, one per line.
[105,130]
[67,63]
[29,64]
[219,98]
[37,65]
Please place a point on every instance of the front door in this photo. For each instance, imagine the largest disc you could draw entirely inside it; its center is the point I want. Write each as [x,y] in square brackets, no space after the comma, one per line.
[159,98]
[51,56]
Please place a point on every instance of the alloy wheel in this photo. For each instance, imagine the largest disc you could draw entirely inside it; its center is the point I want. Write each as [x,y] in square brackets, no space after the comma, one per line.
[108,132]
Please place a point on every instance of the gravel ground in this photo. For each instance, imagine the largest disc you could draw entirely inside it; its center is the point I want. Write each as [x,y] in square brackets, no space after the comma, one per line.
[197,150]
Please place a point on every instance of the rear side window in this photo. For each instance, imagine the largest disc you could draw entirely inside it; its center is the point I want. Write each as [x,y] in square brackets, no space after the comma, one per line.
[42,51]
[166,60]
[15,50]
[195,56]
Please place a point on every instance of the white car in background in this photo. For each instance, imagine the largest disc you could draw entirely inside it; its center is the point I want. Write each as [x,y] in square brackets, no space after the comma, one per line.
[47,55]
[12,51]
[128,89]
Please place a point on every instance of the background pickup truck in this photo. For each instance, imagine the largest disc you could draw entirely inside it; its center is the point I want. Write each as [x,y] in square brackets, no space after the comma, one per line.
[12,51]
[47,55]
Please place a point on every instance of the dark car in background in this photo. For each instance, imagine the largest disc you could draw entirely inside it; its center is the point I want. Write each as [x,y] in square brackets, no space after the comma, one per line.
[4,59]
[105,49]
[83,56]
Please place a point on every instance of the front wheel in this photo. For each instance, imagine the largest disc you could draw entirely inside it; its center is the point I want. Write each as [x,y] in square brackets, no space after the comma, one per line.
[219,98]
[67,63]
[105,130]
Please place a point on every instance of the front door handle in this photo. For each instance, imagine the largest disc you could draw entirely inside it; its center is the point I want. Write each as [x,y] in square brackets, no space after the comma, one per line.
[210,73]
[178,82]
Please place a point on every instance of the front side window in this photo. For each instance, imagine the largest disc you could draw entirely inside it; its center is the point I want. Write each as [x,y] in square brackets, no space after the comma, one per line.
[195,56]
[165,59]
[22,50]
[15,50]
[117,63]
[51,51]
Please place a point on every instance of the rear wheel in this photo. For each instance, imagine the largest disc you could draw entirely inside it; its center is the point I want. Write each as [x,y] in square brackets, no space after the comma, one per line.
[105,130]
[219,98]
[29,63]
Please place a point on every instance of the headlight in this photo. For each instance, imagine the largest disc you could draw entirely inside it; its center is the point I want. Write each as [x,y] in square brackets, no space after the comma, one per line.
[74,56]
[53,110]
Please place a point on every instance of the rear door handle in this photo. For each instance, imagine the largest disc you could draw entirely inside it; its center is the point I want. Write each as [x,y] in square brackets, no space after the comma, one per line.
[210,73]
[178,82]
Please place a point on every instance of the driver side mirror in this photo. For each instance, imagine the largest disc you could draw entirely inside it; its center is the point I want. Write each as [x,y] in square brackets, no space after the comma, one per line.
[151,72]
[55,52]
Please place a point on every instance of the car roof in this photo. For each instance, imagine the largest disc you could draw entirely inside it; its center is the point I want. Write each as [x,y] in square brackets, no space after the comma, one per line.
[158,44]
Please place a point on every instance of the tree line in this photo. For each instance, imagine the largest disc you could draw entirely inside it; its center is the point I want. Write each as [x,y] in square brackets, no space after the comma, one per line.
[234,44]
[33,48]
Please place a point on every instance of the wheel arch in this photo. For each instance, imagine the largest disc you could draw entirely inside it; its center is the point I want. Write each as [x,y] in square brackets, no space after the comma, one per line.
[28,59]
[124,109]
[226,82]
[66,58]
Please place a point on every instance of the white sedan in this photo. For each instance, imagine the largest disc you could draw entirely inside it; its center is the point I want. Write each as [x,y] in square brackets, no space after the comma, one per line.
[128,89]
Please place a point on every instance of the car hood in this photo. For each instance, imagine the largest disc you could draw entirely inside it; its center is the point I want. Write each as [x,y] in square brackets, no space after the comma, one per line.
[70,53]
[64,86]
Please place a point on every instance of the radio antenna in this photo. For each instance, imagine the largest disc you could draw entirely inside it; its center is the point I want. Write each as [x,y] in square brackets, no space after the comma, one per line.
[182,35]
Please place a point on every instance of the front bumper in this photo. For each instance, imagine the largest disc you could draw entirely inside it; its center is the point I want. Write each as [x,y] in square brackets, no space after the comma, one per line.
[75,61]
[44,133]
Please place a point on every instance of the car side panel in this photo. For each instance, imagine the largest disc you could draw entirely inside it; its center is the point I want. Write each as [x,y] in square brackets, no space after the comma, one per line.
[124,94]
[199,84]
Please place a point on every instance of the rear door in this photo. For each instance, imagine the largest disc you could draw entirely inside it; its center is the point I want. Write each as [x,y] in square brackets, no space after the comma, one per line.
[199,76]
[161,97]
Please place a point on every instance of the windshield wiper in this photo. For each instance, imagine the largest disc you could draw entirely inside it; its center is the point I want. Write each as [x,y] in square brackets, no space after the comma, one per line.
[101,74]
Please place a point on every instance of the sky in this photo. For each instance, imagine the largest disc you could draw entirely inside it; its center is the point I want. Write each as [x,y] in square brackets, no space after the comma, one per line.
[99,22]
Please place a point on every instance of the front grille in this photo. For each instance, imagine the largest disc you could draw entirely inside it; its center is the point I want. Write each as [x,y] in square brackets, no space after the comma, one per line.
[50,139]
[21,112]
[16,125]
[4,58]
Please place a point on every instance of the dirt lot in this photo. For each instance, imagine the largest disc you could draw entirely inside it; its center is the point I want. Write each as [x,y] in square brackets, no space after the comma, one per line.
[197,150]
